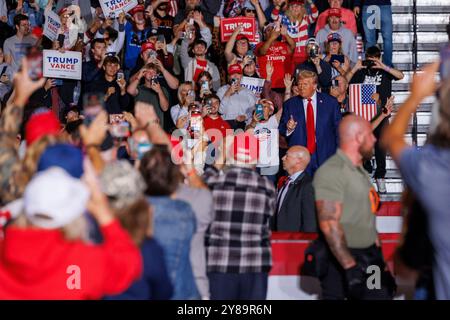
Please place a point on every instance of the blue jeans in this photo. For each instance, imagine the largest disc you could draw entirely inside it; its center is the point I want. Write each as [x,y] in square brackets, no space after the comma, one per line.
[238,286]
[370,30]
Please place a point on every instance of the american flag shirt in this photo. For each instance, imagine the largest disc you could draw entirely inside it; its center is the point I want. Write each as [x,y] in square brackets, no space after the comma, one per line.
[298,31]
[238,239]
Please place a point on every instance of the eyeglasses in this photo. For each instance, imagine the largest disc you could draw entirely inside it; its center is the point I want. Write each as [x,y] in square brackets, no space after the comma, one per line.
[250,11]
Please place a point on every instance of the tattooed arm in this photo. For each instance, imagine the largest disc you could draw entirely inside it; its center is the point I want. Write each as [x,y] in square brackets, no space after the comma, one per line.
[329,214]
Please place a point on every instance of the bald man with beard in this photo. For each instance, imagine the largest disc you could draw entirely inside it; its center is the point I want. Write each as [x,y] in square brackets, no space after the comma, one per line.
[346,206]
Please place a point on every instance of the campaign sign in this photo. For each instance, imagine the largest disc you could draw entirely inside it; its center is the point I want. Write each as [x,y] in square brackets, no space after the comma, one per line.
[52,25]
[253,84]
[117,6]
[65,65]
[227,26]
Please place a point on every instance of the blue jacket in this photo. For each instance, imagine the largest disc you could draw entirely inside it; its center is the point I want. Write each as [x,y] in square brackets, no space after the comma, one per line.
[174,226]
[327,122]
[155,283]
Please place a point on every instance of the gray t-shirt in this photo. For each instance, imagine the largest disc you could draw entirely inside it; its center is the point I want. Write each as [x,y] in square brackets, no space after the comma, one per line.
[240,103]
[339,180]
[427,173]
[17,49]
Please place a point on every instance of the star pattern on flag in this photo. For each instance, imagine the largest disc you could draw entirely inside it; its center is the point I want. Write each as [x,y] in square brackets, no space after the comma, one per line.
[366,94]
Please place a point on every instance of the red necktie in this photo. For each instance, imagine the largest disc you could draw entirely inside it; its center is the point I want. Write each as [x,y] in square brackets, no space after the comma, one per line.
[310,129]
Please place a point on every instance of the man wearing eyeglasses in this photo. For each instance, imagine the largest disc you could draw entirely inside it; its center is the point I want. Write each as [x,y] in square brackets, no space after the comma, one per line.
[16,46]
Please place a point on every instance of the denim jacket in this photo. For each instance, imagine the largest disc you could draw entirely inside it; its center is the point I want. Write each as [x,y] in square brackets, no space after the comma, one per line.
[174,226]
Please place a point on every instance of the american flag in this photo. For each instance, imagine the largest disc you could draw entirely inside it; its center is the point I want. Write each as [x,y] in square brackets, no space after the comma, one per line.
[173,8]
[361,101]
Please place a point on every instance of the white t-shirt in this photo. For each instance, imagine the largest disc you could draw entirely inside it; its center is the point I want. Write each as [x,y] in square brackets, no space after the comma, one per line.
[267,134]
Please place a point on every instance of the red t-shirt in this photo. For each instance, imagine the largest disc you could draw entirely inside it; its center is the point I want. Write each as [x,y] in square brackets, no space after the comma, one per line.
[218,124]
[279,54]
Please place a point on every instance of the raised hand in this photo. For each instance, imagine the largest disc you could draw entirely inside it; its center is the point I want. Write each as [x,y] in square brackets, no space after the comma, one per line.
[291,124]
[288,80]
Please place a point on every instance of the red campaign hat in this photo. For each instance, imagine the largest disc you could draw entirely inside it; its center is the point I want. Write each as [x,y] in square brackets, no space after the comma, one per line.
[241,36]
[41,124]
[148,46]
[245,148]
[299,2]
[138,8]
[62,11]
[234,68]
[334,12]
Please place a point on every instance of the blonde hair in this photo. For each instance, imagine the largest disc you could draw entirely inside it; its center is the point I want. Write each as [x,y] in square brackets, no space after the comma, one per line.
[181,87]
[29,164]
[293,18]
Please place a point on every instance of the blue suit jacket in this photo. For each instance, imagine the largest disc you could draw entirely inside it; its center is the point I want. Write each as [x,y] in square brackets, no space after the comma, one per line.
[328,116]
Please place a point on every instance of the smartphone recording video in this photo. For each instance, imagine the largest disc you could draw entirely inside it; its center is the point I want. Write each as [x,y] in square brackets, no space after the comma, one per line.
[259,111]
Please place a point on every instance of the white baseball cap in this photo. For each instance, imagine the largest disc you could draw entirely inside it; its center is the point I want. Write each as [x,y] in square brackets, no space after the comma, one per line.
[53,198]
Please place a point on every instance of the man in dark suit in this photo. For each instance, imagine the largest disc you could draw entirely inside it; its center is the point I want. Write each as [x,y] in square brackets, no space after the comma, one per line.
[311,120]
[296,210]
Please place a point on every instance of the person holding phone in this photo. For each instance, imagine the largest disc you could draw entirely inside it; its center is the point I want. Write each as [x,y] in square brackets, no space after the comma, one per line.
[335,25]
[116,98]
[264,127]
[158,12]
[179,112]
[237,103]
[150,91]
[335,57]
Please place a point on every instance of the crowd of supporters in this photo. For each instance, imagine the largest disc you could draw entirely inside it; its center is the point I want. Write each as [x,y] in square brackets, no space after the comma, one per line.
[161,173]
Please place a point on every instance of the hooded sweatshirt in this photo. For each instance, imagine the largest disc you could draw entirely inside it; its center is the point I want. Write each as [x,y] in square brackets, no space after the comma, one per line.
[42,264]
[348,41]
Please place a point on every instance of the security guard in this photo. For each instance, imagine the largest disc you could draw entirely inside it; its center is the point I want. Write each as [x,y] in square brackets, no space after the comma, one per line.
[346,205]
